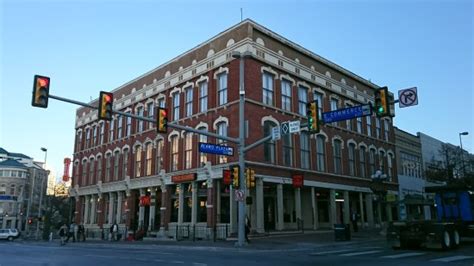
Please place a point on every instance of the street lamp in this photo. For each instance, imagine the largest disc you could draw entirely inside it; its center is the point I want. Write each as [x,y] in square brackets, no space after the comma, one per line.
[465,133]
[42,187]
[241,223]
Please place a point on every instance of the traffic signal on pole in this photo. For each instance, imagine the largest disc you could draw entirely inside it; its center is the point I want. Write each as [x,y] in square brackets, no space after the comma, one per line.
[235,176]
[106,100]
[382,106]
[30,221]
[226,176]
[40,91]
[312,115]
[250,178]
[162,122]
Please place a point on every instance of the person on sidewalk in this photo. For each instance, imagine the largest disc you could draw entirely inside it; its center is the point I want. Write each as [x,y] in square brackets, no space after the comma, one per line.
[247,229]
[62,234]
[354,219]
[113,232]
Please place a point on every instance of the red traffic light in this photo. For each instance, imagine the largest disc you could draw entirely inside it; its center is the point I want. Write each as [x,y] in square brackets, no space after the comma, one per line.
[105,105]
[227,176]
[40,91]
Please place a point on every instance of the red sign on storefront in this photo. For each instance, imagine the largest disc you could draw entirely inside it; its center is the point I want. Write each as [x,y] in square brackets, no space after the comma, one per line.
[183,178]
[297,181]
[145,201]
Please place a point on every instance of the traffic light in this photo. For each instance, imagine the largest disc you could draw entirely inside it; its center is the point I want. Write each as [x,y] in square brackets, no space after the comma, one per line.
[162,126]
[382,106]
[106,100]
[30,221]
[226,176]
[235,176]
[312,115]
[250,178]
[40,91]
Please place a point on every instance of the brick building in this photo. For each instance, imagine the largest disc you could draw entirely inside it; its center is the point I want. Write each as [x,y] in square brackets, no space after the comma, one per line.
[125,172]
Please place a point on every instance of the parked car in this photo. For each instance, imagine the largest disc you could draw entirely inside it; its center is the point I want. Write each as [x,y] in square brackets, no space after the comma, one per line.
[9,234]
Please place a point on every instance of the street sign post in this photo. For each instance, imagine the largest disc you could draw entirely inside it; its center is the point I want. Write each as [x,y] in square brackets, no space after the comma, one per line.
[347,113]
[239,195]
[216,149]
[276,133]
[407,97]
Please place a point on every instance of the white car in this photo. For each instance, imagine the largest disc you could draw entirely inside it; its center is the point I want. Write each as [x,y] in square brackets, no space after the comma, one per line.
[9,234]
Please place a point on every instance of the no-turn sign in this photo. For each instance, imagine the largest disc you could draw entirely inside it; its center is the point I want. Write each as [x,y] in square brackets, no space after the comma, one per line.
[407,97]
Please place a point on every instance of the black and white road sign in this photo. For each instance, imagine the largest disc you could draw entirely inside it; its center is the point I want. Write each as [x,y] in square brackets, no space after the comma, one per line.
[407,97]
[285,128]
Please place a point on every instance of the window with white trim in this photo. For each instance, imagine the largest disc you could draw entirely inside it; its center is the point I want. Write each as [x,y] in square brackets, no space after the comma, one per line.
[202,155]
[385,129]
[161,102]
[176,106]
[88,137]
[102,131]
[111,130]
[369,125]
[174,153]
[148,159]
[304,149]
[125,163]
[222,131]
[371,162]
[119,126]
[94,136]
[320,153]
[362,162]
[318,97]
[337,155]
[140,112]
[359,125]
[203,96]
[99,169]
[287,150]
[91,171]
[267,85]
[129,125]
[286,95]
[159,156]
[151,112]
[269,146]
[377,127]
[351,153]
[222,88]
[188,150]
[349,121]
[302,100]
[189,101]
[138,161]
[84,172]
[116,165]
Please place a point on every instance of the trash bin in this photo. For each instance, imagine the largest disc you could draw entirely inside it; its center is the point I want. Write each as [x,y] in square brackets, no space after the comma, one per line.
[342,232]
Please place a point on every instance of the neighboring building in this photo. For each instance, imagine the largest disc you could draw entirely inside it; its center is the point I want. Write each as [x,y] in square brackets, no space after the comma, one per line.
[414,203]
[124,171]
[20,190]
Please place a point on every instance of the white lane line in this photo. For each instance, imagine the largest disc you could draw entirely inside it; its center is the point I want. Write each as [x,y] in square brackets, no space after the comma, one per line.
[360,253]
[332,251]
[403,255]
[452,258]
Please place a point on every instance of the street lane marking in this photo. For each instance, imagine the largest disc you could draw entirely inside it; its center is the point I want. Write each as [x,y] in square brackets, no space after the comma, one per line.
[332,251]
[199,264]
[453,258]
[177,262]
[360,253]
[403,255]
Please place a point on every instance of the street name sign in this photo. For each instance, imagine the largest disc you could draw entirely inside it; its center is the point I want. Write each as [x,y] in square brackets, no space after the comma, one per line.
[407,97]
[216,149]
[347,113]
[294,126]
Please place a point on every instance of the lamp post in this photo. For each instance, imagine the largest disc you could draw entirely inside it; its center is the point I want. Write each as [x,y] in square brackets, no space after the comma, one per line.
[41,191]
[241,216]
[465,133]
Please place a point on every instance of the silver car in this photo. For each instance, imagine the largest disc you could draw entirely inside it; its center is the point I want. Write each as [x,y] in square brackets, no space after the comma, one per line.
[9,234]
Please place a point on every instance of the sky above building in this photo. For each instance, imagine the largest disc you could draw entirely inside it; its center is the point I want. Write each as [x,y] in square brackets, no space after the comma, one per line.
[87,46]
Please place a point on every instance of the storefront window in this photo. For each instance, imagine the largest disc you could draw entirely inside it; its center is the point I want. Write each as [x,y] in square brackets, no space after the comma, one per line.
[201,204]
[225,204]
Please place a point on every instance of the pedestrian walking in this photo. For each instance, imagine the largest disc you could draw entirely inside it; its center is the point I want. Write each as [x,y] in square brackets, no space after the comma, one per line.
[63,230]
[75,231]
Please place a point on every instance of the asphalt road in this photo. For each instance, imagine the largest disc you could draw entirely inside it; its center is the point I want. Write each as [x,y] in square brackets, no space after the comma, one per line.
[275,251]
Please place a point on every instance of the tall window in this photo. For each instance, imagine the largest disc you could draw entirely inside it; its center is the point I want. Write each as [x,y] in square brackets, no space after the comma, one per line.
[189,101]
[116,165]
[99,169]
[138,161]
[176,106]
[362,166]
[359,125]
[102,130]
[287,150]
[203,96]
[267,84]
[111,130]
[91,171]
[88,137]
[382,162]
[108,164]
[349,121]
[94,136]
[385,129]
[369,125]
[174,153]
[79,140]
[351,154]
[149,159]
[202,155]
[188,150]
[84,171]
[222,131]
[337,156]
[377,127]
[334,106]
[318,97]
[125,164]
[161,102]
[159,156]
[129,125]
[304,148]
[222,88]
[286,95]
[320,153]
[140,111]
[371,162]
[119,126]
[390,166]
[269,146]
[151,112]
[302,100]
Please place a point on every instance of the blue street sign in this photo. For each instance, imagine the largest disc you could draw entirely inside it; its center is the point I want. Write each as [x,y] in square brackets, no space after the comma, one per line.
[216,149]
[347,113]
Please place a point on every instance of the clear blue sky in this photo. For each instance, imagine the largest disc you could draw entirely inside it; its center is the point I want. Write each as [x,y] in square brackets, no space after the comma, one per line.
[87,46]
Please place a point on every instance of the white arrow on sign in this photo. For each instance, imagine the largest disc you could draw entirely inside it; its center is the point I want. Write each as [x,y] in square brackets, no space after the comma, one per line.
[407,97]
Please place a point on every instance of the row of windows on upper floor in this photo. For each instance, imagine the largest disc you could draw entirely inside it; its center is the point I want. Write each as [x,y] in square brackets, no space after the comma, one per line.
[13,173]
[13,191]
[117,129]
[148,158]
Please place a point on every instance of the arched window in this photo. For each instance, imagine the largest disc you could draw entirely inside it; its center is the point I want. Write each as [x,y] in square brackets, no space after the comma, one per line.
[138,161]
[362,162]
[125,163]
[304,149]
[382,162]
[222,130]
[269,146]
[140,112]
[91,171]
[371,162]
[84,172]
[188,150]
[174,153]
[149,158]
[337,155]
[351,153]
[99,169]
[320,153]
[108,165]
[159,156]
[202,155]
[116,165]
[287,150]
